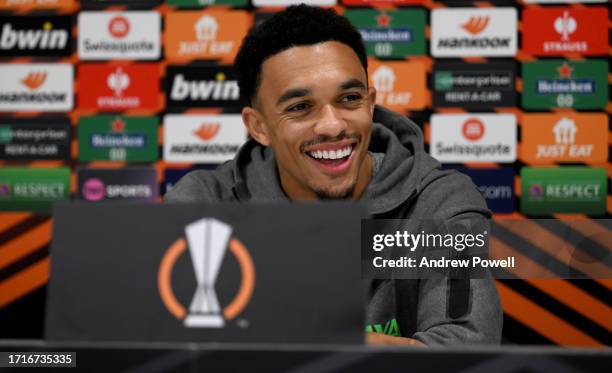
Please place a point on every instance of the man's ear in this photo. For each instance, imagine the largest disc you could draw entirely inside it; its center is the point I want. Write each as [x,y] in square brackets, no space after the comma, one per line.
[255,125]
[372,94]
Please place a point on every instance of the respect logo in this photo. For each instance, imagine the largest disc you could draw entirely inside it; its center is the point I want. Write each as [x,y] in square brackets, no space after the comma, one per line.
[206,34]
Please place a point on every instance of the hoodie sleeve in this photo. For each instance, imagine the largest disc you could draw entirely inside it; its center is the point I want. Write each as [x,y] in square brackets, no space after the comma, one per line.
[451,196]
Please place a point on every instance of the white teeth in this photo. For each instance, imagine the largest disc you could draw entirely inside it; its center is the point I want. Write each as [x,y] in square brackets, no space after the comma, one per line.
[331,154]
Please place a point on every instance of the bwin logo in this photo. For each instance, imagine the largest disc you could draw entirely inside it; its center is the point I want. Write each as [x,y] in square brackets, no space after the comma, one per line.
[218,89]
[47,38]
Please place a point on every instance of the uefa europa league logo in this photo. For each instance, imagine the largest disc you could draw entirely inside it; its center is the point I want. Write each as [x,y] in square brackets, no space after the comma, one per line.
[207,239]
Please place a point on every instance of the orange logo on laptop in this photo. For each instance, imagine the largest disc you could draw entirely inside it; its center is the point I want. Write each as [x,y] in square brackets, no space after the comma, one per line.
[399,86]
[476,24]
[34,80]
[207,131]
[549,138]
[205,34]
[208,240]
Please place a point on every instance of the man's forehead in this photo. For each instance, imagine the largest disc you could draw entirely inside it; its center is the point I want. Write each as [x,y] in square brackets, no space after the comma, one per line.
[304,67]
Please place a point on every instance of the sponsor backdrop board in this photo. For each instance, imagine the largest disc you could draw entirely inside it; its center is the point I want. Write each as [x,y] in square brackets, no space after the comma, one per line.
[202,138]
[36,87]
[119,35]
[117,138]
[468,85]
[105,70]
[461,138]
[126,184]
[35,138]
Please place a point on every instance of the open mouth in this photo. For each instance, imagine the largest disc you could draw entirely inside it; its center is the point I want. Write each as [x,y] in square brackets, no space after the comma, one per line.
[332,160]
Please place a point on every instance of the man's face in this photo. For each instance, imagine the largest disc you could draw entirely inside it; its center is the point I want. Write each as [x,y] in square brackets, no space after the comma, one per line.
[314,110]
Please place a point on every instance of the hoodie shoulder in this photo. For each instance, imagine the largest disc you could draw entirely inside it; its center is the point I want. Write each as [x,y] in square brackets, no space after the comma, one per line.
[446,194]
[204,186]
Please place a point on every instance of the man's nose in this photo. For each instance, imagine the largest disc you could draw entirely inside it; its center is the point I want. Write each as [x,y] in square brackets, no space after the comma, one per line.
[330,123]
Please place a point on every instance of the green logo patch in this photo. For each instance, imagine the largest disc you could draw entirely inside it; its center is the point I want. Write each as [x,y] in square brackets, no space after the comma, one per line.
[391,34]
[118,138]
[546,191]
[565,84]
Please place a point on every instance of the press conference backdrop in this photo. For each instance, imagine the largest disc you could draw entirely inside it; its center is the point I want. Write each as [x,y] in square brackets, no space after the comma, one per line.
[106,100]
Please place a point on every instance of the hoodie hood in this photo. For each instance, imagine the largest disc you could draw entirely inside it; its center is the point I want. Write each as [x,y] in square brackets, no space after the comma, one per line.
[398,178]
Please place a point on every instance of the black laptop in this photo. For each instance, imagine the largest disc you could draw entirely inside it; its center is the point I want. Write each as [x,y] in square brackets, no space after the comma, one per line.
[283,273]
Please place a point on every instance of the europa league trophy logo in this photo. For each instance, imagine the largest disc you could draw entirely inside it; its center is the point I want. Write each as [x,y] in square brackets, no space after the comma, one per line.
[208,239]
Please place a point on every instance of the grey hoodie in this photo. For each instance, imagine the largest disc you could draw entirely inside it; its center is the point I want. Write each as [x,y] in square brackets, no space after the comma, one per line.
[406,183]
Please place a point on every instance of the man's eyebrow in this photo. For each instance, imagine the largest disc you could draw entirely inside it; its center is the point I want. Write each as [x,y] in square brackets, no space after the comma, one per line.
[353,83]
[293,93]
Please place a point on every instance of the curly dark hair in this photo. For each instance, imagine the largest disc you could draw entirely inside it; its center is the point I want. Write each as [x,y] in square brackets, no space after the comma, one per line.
[296,25]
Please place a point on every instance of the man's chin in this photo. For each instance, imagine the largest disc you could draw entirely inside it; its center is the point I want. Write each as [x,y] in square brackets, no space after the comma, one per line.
[337,194]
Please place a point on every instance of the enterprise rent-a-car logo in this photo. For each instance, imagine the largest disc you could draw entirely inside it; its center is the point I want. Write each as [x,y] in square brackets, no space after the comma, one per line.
[464,32]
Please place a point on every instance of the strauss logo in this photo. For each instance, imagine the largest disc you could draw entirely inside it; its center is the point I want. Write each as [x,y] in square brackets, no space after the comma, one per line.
[118,81]
[476,24]
[34,80]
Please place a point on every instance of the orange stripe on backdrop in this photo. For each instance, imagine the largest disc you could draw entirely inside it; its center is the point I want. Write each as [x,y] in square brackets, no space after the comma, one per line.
[542,321]
[594,232]
[26,243]
[576,299]
[556,247]
[565,292]
[9,219]
[24,282]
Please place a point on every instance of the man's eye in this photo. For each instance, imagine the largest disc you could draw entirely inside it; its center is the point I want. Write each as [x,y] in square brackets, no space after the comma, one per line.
[351,97]
[298,107]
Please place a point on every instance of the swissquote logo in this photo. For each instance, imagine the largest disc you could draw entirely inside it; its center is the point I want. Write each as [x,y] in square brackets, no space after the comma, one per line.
[561,30]
[36,87]
[202,138]
[208,240]
[459,138]
[461,32]
[35,35]
[210,34]
[400,85]
[551,138]
[202,86]
[119,35]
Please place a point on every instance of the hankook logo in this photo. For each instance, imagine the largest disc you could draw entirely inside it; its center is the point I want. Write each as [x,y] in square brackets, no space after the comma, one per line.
[208,240]
[207,131]
[463,32]
[476,25]
[34,80]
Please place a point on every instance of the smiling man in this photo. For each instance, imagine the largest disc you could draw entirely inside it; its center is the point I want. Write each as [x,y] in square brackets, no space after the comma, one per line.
[317,135]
